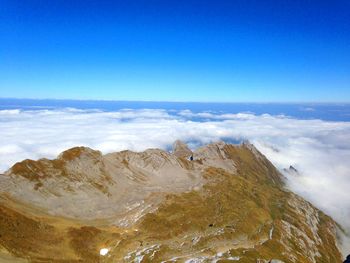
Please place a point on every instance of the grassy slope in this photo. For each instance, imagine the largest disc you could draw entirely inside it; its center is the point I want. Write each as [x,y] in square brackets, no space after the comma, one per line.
[232,213]
[245,207]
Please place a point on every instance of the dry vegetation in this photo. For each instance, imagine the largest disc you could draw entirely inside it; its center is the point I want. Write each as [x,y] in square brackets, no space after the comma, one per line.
[242,215]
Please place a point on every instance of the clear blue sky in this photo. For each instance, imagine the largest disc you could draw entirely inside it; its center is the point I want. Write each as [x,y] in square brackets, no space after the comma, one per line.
[233,50]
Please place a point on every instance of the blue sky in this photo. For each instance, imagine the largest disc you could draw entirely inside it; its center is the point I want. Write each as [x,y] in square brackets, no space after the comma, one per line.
[232,51]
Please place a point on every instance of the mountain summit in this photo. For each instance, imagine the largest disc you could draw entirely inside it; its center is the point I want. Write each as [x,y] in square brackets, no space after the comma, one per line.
[226,203]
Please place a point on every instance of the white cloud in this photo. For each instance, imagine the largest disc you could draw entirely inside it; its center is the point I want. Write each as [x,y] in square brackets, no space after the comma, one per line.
[320,150]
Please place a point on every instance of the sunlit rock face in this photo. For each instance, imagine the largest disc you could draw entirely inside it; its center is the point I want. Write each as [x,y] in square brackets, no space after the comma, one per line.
[181,149]
[226,203]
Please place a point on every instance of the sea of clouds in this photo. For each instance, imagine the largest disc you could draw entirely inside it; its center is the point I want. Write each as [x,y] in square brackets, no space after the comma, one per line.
[319,150]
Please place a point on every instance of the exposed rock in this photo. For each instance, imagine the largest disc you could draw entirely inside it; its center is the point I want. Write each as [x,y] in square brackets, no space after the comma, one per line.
[291,171]
[181,149]
[214,155]
[229,203]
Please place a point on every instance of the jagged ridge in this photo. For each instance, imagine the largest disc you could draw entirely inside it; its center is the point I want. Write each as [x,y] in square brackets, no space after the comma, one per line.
[152,206]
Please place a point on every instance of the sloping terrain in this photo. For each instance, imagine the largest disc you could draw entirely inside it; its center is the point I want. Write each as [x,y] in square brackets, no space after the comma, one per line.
[227,204]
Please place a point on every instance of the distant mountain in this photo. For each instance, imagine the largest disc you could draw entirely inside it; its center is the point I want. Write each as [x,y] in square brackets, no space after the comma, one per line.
[219,203]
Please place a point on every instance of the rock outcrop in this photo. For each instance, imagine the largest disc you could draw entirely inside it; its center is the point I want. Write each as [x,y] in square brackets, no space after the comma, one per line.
[181,149]
[227,204]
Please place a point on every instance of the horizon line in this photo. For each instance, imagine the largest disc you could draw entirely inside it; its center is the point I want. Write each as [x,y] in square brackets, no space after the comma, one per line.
[179,101]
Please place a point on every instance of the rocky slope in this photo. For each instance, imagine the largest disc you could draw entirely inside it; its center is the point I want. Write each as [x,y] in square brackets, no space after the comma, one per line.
[227,204]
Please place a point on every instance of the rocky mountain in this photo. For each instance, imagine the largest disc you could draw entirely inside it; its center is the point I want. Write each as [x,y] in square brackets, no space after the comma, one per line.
[226,203]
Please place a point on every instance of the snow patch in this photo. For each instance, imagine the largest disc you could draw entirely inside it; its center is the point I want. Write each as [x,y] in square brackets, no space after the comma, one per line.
[104,251]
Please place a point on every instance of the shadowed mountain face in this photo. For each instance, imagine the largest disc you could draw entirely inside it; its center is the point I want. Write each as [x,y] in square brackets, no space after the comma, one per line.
[227,204]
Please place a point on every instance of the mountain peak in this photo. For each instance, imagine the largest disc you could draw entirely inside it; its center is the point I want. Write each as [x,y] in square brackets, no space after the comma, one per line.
[180,149]
[77,152]
[226,203]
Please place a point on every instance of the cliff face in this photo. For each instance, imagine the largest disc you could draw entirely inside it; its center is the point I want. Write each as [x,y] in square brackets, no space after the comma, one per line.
[227,204]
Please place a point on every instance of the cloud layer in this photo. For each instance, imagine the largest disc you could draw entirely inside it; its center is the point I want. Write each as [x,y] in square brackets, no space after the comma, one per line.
[319,150]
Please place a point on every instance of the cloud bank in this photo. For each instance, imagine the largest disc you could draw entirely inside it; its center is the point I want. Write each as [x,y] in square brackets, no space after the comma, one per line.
[319,150]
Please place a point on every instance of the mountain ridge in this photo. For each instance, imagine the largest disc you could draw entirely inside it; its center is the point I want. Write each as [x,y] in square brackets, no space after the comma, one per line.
[228,203]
